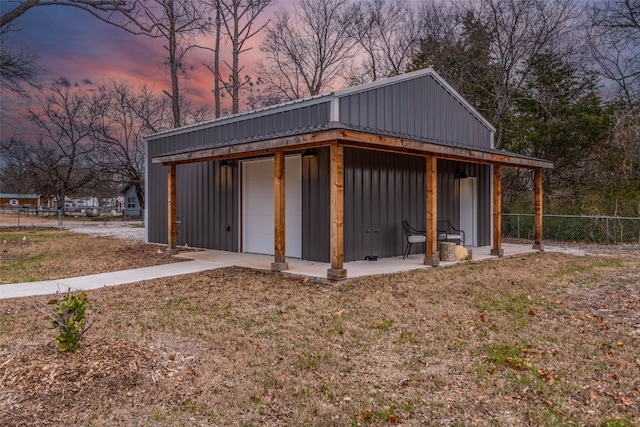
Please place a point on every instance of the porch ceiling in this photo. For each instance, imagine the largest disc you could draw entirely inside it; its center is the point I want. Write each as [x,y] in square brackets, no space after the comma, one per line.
[348,135]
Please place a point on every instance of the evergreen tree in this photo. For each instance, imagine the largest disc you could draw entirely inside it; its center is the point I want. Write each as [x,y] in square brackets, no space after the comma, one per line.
[559,116]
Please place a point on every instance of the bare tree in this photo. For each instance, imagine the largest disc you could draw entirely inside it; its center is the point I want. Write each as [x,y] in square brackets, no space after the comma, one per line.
[238,19]
[124,115]
[614,39]
[103,9]
[521,30]
[17,65]
[387,31]
[62,158]
[624,155]
[176,22]
[15,172]
[306,51]
[214,67]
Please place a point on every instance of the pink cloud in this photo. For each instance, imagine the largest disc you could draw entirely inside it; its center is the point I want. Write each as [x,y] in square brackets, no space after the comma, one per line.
[75,46]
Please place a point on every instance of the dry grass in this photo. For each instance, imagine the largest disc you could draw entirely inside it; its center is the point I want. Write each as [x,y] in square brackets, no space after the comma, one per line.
[36,253]
[546,339]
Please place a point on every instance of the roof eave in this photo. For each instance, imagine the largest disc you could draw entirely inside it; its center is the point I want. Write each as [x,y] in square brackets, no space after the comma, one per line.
[356,139]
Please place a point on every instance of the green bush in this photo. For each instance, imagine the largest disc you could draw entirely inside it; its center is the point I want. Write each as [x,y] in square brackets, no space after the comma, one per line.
[69,319]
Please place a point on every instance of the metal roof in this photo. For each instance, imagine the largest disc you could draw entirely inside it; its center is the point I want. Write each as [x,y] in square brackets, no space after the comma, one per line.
[327,97]
[289,105]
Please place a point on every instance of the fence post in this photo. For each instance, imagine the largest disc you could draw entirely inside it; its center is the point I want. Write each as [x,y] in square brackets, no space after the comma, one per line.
[18,218]
[518,220]
[606,222]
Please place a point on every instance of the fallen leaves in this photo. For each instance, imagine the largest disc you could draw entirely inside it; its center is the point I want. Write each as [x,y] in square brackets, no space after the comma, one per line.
[547,375]
[42,372]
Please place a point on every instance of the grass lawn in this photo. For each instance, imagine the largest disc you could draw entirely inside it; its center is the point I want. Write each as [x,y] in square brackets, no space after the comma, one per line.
[36,253]
[546,339]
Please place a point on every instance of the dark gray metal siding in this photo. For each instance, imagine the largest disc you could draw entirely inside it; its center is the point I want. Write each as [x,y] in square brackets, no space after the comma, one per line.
[419,107]
[315,207]
[207,205]
[207,200]
[449,195]
[381,189]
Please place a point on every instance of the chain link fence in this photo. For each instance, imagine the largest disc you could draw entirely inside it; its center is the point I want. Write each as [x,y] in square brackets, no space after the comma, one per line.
[23,217]
[574,228]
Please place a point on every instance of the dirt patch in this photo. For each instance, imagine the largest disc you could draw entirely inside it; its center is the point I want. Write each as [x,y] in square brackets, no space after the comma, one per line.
[547,339]
[111,370]
[38,253]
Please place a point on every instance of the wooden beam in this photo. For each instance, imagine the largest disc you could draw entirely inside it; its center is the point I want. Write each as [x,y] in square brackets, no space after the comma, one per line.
[265,146]
[497,211]
[442,151]
[279,263]
[431,204]
[355,139]
[337,270]
[537,209]
[172,226]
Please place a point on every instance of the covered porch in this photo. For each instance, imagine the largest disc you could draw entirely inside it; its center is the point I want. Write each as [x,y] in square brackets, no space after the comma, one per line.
[336,137]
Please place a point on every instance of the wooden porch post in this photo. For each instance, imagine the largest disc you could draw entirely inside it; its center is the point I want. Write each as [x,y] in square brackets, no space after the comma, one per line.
[431,204]
[172,226]
[537,209]
[337,270]
[497,211]
[279,263]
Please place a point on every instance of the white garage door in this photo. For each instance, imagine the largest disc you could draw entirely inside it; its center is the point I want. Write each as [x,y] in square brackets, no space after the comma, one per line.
[257,206]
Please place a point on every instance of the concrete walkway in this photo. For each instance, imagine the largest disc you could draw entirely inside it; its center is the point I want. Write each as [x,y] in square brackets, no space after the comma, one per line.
[95,281]
[198,261]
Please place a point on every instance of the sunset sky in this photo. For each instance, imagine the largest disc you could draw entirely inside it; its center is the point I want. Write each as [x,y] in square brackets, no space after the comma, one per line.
[78,48]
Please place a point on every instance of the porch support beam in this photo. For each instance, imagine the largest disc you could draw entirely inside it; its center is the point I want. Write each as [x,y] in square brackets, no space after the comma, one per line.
[279,263]
[497,211]
[351,138]
[337,270]
[537,210]
[172,227]
[431,204]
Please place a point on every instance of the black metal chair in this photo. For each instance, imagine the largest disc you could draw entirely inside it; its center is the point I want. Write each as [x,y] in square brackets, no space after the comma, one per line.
[413,237]
[448,233]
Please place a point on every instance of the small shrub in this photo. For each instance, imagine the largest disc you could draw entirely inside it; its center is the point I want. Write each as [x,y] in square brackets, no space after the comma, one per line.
[69,318]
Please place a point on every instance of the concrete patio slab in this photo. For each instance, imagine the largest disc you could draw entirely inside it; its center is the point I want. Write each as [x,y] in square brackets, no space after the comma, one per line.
[355,269]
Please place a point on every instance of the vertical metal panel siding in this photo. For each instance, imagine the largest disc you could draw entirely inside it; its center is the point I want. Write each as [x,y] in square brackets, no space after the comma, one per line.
[315,207]
[207,198]
[449,195]
[381,189]
[204,192]
[420,107]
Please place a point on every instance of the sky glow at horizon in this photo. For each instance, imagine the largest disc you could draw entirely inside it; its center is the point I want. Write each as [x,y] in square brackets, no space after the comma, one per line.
[77,49]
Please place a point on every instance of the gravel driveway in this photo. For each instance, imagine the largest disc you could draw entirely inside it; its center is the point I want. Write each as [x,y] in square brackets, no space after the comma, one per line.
[128,231]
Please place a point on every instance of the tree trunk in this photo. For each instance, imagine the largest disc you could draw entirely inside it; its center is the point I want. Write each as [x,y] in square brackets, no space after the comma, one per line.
[175,68]
[447,252]
[140,195]
[216,62]
[235,72]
